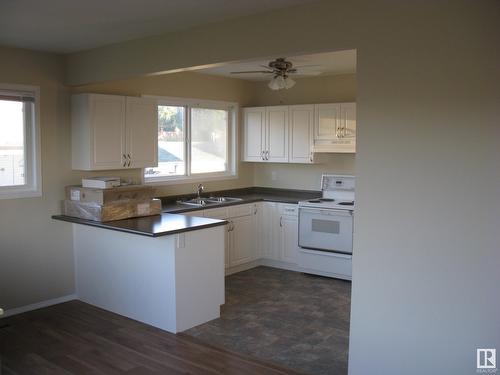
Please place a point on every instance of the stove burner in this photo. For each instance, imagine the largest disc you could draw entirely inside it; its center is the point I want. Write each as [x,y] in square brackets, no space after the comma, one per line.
[314,201]
[347,203]
[326,199]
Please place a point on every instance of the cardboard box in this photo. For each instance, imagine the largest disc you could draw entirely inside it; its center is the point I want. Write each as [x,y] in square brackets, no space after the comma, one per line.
[105,196]
[116,210]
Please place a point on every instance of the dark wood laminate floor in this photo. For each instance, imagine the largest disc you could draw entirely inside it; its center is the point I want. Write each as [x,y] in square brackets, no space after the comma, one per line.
[296,320]
[76,338]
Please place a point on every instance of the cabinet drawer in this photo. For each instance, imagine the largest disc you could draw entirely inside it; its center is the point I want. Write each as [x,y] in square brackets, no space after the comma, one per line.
[241,210]
[217,213]
[289,209]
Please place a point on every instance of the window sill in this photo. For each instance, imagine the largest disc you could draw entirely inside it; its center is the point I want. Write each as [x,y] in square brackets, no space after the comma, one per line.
[187,179]
[15,193]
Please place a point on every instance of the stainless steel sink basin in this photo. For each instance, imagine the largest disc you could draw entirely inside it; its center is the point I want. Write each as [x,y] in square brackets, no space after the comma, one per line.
[199,202]
[223,199]
[196,202]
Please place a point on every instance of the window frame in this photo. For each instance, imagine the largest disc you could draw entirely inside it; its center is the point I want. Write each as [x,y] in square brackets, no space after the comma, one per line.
[232,143]
[32,147]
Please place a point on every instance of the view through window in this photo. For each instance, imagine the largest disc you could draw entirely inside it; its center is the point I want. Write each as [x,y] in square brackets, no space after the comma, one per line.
[12,133]
[208,140]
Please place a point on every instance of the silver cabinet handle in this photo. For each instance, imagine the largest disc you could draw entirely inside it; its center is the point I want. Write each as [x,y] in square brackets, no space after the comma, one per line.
[129,161]
[311,156]
[262,155]
[281,221]
[124,160]
[255,210]
[267,155]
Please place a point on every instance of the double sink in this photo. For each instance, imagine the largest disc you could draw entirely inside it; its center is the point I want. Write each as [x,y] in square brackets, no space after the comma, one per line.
[200,202]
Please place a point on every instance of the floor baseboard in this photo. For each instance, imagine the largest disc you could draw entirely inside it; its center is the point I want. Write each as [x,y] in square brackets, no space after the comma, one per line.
[38,305]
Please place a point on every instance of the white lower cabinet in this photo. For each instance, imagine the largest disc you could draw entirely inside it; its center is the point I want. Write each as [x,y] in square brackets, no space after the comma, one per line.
[241,244]
[264,230]
[289,239]
[241,231]
[279,232]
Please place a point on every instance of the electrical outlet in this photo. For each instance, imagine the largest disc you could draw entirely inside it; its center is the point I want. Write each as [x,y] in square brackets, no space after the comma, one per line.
[274,175]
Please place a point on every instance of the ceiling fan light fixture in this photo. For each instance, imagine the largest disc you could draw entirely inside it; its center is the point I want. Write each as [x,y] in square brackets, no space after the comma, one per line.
[280,82]
[289,83]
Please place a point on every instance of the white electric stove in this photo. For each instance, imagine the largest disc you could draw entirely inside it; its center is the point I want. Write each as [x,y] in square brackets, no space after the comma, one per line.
[326,228]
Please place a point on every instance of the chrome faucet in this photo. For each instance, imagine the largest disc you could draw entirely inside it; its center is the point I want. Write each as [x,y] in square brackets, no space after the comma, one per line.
[200,190]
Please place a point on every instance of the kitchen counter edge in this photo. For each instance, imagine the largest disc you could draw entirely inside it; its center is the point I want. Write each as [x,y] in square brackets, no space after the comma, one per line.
[133,225]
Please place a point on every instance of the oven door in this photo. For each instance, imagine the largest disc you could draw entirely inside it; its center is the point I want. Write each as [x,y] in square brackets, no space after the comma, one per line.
[326,229]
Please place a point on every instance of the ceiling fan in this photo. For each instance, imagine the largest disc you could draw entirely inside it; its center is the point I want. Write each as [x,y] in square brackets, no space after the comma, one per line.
[280,70]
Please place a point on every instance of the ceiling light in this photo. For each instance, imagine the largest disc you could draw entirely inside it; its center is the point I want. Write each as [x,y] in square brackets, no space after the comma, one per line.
[280,82]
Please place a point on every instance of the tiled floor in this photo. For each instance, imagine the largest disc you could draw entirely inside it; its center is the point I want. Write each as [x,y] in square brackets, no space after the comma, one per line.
[298,320]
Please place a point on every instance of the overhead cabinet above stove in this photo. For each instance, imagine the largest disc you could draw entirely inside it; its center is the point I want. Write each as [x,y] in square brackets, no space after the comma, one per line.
[292,134]
[335,127]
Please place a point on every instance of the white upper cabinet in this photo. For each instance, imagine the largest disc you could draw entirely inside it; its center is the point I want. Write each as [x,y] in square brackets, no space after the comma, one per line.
[277,134]
[254,122]
[141,123]
[327,121]
[265,134]
[348,122]
[335,127]
[292,134]
[113,132]
[301,140]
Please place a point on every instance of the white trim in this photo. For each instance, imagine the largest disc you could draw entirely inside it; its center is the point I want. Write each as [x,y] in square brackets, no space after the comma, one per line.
[263,262]
[193,102]
[38,305]
[33,162]
[178,180]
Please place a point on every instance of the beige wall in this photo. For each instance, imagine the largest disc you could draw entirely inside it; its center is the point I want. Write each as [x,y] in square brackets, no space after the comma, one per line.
[327,89]
[36,261]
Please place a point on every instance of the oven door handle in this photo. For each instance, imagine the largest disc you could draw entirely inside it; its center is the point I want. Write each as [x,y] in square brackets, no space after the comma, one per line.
[330,212]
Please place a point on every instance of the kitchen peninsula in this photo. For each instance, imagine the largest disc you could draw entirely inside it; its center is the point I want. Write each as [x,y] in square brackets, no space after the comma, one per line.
[157,269]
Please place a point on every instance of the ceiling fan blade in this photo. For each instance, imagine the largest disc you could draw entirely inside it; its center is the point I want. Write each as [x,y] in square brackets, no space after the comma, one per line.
[306,66]
[308,72]
[252,71]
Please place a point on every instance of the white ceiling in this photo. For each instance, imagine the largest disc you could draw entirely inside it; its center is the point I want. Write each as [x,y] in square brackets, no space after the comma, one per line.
[71,25]
[329,63]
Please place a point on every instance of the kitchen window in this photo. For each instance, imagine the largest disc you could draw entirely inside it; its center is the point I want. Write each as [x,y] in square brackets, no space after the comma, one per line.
[196,141]
[20,171]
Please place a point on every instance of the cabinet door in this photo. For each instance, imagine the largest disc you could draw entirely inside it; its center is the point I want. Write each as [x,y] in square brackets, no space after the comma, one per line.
[326,122]
[241,240]
[289,239]
[347,125]
[107,122]
[142,132]
[301,133]
[267,228]
[277,134]
[222,214]
[254,134]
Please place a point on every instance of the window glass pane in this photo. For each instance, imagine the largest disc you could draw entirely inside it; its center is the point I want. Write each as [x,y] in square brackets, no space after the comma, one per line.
[208,140]
[171,131]
[12,170]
